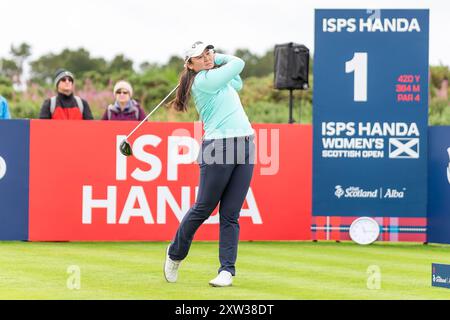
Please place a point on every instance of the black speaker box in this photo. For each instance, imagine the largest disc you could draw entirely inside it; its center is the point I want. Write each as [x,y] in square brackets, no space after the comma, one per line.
[291,66]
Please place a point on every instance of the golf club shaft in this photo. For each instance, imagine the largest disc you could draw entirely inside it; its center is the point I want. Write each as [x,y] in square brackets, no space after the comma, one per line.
[162,101]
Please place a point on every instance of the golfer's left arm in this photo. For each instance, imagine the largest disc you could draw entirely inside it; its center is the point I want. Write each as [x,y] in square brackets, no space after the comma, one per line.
[220,59]
[215,79]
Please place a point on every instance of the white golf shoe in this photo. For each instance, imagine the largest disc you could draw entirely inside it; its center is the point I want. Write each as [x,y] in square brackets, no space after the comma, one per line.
[171,268]
[223,279]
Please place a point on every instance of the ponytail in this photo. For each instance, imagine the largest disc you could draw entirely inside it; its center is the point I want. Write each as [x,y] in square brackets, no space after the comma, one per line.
[183,94]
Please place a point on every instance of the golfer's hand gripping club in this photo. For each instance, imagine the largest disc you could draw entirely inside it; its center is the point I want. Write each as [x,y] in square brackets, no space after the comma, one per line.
[125,147]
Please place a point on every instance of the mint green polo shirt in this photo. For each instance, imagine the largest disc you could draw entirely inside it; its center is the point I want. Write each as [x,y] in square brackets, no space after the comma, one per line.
[215,93]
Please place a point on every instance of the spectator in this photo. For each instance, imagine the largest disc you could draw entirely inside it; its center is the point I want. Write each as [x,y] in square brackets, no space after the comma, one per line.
[65,105]
[124,108]
[4,110]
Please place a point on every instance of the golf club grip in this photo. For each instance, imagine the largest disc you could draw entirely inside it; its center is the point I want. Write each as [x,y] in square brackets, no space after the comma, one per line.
[154,109]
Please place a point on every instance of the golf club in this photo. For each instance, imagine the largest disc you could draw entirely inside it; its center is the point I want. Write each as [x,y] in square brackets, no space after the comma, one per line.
[125,147]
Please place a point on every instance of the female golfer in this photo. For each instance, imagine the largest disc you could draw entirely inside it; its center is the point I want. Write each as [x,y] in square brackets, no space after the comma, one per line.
[226,158]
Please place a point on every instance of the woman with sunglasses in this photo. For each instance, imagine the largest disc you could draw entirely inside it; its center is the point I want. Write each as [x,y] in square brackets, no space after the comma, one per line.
[226,158]
[124,107]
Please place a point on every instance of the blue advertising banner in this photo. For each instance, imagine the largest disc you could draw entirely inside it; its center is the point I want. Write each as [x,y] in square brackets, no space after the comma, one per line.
[440,275]
[370,113]
[438,230]
[14,178]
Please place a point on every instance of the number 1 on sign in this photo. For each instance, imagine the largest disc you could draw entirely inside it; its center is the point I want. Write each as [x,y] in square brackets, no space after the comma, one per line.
[358,65]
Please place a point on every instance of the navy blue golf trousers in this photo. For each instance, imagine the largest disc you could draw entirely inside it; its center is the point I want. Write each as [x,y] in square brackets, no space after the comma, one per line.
[226,169]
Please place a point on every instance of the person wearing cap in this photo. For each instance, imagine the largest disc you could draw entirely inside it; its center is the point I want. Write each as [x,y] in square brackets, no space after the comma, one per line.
[226,158]
[124,108]
[4,109]
[65,105]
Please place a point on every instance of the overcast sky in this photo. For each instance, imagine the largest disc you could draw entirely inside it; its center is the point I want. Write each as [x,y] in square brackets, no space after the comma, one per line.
[146,30]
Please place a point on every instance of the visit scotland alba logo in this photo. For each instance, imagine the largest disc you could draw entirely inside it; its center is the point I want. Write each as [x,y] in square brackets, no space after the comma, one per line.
[360,193]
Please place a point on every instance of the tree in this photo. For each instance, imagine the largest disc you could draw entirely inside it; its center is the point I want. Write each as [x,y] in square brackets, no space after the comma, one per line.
[19,55]
[79,62]
[120,63]
[6,89]
[256,66]
[8,68]
[175,63]
[438,73]
[146,66]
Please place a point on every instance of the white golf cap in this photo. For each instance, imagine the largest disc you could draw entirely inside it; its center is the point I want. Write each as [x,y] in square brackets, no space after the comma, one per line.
[196,49]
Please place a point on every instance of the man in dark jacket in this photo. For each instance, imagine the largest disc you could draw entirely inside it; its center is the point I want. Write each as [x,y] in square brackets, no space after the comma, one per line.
[65,106]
